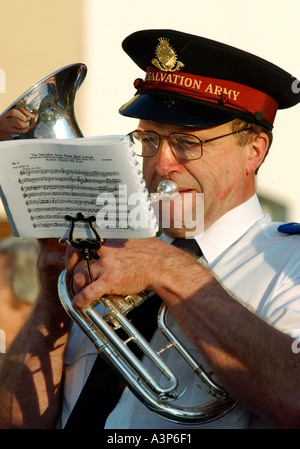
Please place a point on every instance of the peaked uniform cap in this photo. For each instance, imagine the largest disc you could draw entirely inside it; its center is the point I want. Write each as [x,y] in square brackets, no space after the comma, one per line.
[194,81]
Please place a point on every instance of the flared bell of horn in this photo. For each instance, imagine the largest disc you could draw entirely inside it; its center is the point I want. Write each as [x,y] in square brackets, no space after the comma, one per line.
[52,100]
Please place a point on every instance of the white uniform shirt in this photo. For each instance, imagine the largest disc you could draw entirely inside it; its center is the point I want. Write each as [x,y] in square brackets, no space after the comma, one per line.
[259,265]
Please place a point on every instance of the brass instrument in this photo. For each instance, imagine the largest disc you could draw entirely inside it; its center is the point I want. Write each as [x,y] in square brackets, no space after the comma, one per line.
[100,330]
[52,101]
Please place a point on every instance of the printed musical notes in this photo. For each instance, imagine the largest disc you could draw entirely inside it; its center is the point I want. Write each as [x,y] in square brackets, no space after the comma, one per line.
[42,181]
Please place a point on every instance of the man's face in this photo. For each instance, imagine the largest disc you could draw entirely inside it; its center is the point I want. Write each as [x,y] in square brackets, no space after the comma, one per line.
[221,173]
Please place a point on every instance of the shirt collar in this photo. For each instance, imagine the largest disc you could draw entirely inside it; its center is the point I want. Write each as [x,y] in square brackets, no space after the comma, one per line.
[228,229]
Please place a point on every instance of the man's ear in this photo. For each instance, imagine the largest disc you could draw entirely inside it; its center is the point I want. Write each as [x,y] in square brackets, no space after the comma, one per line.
[258,148]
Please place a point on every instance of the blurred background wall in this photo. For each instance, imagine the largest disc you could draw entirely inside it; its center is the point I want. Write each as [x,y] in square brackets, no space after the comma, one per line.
[38,37]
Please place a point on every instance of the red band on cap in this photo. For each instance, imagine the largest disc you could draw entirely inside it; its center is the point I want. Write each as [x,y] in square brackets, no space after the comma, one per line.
[214,90]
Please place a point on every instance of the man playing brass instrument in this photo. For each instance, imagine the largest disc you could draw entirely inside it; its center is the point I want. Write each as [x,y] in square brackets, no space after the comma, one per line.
[206,114]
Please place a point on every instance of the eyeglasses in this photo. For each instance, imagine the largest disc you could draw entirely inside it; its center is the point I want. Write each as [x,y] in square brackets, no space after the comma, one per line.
[186,147]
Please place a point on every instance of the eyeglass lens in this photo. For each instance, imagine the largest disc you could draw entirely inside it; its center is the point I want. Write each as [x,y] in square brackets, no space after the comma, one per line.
[185,146]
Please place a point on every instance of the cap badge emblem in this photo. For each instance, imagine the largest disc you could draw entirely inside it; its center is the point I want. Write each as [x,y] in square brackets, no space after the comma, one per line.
[166,58]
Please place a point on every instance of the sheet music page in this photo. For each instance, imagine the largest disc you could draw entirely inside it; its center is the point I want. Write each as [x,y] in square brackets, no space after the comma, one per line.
[42,181]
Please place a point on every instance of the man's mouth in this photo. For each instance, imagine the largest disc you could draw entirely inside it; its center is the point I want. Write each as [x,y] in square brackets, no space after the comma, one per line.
[185,190]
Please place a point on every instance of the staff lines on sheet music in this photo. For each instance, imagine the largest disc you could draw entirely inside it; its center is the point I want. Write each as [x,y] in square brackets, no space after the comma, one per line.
[79,202]
[71,187]
[108,209]
[92,173]
[66,194]
[79,179]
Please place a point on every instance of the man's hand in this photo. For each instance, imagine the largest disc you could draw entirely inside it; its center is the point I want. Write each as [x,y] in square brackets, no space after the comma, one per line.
[125,267]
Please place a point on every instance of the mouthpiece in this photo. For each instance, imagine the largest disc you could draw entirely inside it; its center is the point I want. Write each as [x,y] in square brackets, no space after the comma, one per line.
[166,190]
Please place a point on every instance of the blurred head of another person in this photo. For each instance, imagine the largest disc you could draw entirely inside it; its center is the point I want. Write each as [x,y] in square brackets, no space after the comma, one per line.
[18,284]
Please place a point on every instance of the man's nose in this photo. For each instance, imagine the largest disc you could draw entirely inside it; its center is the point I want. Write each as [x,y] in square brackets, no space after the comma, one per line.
[166,159]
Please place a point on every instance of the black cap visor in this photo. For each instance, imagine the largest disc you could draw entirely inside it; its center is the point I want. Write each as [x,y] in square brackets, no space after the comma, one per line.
[174,110]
